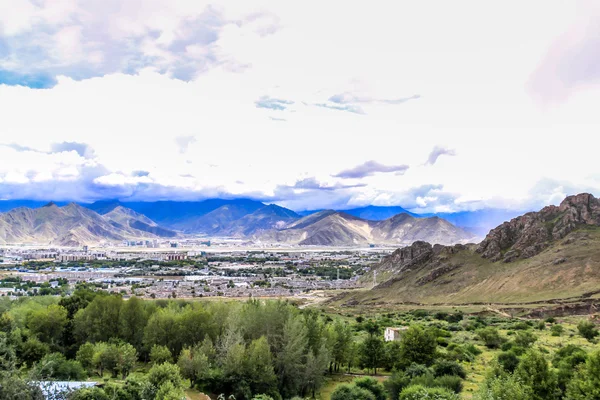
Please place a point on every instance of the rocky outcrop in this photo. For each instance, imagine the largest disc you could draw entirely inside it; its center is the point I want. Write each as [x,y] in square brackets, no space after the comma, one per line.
[530,234]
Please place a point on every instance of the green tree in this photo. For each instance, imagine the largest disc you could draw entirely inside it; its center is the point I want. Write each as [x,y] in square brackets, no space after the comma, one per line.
[372,353]
[126,358]
[586,383]
[33,350]
[85,355]
[290,361]
[133,320]
[49,324]
[168,391]
[99,321]
[418,346]
[159,375]
[194,365]
[534,372]
[160,354]
[259,367]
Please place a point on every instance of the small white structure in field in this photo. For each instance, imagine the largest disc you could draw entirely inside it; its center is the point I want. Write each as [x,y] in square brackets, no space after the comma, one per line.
[392,334]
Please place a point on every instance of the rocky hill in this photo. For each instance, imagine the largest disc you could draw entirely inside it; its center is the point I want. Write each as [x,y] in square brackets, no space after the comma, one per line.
[545,256]
[528,235]
[72,225]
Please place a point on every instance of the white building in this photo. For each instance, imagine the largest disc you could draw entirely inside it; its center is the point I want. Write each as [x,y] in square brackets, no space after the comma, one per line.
[392,334]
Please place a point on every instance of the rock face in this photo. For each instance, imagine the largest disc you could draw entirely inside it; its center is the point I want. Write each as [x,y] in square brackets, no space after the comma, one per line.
[528,235]
[420,255]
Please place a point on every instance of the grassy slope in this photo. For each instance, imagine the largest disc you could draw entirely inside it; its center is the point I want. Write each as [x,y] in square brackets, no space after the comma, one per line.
[480,281]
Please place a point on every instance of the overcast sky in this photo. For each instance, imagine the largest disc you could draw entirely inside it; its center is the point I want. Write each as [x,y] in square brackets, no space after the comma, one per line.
[430,105]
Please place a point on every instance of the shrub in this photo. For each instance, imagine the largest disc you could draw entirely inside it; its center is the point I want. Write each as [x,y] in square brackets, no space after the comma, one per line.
[557,330]
[587,329]
[160,355]
[534,372]
[56,366]
[395,384]
[525,339]
[372,385]
[351,392]
[503,388]
[449,368]
[415,370]
[509,361]
[417,392]
[490,337]
[450,382]
[418,345]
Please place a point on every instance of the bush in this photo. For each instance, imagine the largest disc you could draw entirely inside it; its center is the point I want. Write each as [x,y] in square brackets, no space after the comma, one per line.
[557,330]
[509,361]
[351,392]
[56,366]
[450,382]
[417,392]
[503,388]
[490,337]
[395,384]
[372,385]
[415,370]
[525,339]
[534,372]
[587,329]
[453,368]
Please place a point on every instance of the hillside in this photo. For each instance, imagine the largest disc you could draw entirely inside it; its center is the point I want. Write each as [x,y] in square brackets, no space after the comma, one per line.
[263,219]
[332,228]
[70,225]
[121,216]
[539,257]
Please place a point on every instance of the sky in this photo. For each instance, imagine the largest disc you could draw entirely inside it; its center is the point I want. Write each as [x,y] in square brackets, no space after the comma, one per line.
[434,106]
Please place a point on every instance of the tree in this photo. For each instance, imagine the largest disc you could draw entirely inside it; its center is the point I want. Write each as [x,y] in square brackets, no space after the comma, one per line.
[418,345]
[193,364]
[85,355]
[504,388]
[586,383]
[133,320]
[587,329]
[290,361]
[99,321]
[160,375]
[56,366]
[533,371]
[160,354]
[168,391]
[342,342]
[316,366]
[49,324]
[33,350]
[372,353]
[126,358]
[259,367]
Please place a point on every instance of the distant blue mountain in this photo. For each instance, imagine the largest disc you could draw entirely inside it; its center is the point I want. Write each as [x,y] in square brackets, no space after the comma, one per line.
[479,222]
[372,213]
[185,215]
[378,213]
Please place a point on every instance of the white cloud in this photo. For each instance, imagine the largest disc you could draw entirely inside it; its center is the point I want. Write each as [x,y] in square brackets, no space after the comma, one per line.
[171,89]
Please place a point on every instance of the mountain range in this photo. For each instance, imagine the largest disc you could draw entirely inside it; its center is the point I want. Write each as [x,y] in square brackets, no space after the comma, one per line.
[74,224]
[546,257]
